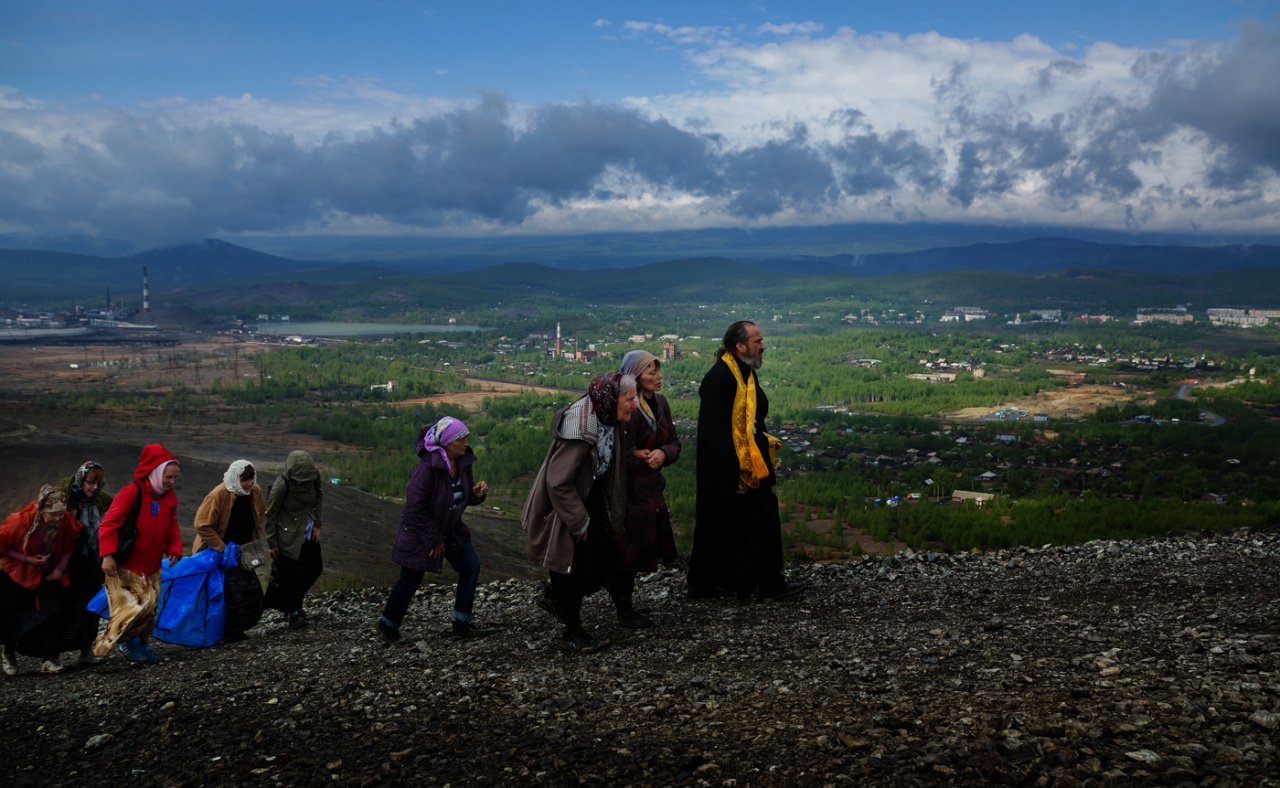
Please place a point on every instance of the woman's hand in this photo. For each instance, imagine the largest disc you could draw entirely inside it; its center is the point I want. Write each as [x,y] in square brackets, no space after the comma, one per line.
[436,552]
[656,458]
[37,560]
[56,574]
[109,565]
[480,490]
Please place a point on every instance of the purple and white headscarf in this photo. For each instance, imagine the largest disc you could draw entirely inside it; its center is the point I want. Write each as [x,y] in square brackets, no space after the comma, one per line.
[443,432]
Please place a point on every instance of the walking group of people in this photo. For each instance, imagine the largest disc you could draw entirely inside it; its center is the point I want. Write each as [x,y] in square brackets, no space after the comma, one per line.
[596,515]
[595,518]
[59,551]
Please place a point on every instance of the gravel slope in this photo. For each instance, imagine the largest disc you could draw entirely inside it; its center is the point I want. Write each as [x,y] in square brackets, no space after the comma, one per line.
[1149,662]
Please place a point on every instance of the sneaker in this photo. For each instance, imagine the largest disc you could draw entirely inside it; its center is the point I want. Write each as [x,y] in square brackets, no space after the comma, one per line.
[150,656]
[9,662]
[132,650]
[297,620]
[632,619]
[51,666]
[548,604]
[466,629]
[389,633]
[583,642]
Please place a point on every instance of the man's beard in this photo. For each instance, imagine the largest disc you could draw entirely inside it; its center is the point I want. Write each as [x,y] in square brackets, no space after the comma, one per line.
[754,361]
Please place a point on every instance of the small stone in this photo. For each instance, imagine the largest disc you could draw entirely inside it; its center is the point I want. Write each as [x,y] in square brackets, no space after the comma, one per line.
[1145,756]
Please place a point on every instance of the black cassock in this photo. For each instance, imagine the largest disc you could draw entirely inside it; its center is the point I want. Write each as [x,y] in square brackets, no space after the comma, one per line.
[737,541]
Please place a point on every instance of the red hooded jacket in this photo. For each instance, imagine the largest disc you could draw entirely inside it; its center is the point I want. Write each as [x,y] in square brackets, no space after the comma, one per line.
[158,533]
[13,536]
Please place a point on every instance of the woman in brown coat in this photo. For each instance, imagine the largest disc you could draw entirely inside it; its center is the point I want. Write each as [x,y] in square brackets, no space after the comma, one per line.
[575,515]
[234,511]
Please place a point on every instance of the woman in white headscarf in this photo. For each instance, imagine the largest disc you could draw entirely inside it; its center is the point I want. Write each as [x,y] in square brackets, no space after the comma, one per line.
[234,511]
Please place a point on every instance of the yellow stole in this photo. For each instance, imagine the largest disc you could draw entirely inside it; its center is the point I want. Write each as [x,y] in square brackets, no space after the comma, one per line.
[751,463]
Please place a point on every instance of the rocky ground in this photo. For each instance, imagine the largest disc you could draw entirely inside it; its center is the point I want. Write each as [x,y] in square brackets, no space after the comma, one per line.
[1151,662]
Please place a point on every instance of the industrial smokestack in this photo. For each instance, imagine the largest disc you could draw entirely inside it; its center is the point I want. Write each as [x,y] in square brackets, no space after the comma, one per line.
[557,339]
[108,298]
[146,295]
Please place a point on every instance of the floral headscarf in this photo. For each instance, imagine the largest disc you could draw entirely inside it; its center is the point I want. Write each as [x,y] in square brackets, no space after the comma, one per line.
[603,393]
[442,433]
[231,479]
[51,499]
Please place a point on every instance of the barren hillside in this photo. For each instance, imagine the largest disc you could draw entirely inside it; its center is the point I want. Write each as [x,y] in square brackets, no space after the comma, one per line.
[1150,662]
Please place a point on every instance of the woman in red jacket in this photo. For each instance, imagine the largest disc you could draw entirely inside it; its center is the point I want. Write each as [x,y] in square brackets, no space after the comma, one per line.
[133,580]
[35,547]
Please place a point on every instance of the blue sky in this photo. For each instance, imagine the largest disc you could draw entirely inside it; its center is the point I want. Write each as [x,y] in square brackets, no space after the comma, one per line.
[161,122]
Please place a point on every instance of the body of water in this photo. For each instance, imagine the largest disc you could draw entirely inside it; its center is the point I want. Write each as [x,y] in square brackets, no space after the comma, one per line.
[325,328]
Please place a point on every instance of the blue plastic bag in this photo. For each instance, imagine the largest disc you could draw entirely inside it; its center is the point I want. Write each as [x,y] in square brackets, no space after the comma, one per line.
[192,609]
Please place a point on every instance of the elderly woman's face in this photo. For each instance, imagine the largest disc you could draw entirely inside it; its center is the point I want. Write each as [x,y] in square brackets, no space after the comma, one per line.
[51,518]
[457,448]
[650,380]
[626,405]
[170,476]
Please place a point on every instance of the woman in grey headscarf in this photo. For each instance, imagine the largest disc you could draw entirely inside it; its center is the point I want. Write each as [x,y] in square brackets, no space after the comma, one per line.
[652,444]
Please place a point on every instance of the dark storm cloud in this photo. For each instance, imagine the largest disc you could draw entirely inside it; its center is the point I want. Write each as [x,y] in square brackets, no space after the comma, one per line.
[778,175]
[1233,96]
[162,182]
[871,163]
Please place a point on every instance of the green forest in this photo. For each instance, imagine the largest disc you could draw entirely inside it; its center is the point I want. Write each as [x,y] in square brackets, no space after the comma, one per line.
[858,431]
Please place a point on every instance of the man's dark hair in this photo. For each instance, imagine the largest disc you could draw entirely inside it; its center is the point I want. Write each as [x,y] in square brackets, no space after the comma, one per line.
[736,334]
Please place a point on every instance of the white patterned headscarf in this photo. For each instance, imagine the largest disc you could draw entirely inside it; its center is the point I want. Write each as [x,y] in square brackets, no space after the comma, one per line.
[231,479]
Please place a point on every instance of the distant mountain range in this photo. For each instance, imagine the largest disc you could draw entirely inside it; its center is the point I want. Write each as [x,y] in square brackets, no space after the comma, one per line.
[226,274]
[1044,254]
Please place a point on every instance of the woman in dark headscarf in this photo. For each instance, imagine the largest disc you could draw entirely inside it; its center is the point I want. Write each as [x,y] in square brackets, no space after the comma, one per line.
[653,445]
[574,517]
[440,488]
[87,500]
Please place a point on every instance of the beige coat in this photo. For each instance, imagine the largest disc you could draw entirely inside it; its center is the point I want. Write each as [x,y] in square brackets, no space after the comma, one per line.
[215,512]
[556,508]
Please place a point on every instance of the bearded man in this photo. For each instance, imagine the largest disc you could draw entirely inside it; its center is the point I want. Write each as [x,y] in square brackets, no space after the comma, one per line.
[737,541]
